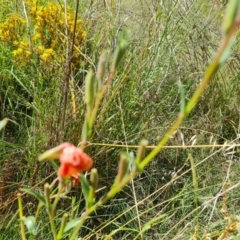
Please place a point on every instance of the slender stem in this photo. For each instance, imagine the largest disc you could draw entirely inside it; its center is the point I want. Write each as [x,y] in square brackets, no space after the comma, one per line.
[57,198]
[20,208]
[53,228]
[101,95]
[40,205]
[50,210]
[63,224]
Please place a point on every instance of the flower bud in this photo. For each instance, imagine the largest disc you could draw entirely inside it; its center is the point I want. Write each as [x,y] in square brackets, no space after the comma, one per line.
[122,168]
[121,49]
[141,150]
[101,70]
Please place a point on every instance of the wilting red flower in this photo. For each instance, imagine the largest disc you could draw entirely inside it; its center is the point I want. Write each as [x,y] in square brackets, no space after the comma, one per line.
[72,160]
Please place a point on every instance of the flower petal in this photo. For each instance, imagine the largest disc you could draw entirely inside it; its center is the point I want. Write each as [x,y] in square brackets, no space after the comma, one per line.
[54,153]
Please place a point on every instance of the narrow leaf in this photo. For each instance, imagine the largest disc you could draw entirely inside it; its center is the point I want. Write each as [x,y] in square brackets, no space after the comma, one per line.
[182,95]
[89,89]
[85,188]
[71,224]
[121,49]
[39,196]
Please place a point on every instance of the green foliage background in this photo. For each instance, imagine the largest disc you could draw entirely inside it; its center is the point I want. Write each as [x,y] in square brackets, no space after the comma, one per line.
[168,41]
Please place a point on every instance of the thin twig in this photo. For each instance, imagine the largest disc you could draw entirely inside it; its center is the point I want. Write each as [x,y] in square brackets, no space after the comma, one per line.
[67,71]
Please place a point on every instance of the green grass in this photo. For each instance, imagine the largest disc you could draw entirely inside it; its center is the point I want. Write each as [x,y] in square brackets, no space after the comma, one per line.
[168,42]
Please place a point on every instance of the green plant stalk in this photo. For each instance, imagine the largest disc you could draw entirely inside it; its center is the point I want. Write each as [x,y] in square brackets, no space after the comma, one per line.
[63,224]
[93,187]
[91,197]
[198,93]
[100,97]
[194,178]
[20,208]
[58,196]
[97,103]
[121,49]
[40,205]
[50,210]
[117,58]
[122,169]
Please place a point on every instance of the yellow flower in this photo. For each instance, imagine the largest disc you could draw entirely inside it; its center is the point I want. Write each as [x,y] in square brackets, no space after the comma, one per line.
[15,43]
[40,48]
[36,36]
[17,52]
[47,55]
[84,34]
[24,45]
[28,53]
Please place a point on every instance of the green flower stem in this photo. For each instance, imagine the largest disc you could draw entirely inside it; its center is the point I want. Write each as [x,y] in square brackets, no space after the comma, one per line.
[63,224]
[40,205]
[97,103]
[100,96]
[121,49]
[20,209]
[194,181]
[50,210]
[58,196]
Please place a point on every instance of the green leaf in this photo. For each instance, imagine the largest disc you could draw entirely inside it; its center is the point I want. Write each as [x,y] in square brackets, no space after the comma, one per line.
[153,222]
[71,224]
[226,52]
[89,90]
[150,224]
[39,196]
[85,188]
[85,131]
[121,229]
[30,223]
[182,95]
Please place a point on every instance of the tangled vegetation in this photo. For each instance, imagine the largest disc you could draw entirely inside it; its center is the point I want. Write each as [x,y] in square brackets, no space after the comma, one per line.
[61,80]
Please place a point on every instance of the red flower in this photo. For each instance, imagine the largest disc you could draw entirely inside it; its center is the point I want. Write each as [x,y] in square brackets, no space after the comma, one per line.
[72,160]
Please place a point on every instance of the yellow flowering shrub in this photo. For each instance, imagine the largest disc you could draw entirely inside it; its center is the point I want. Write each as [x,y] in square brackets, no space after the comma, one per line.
[45,35]
[12,29]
